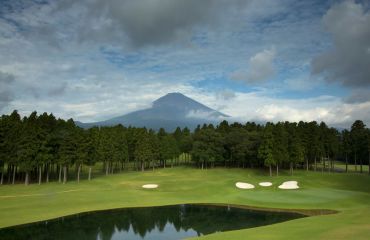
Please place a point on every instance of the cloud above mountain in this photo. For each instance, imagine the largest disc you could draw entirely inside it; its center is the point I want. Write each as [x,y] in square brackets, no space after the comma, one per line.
[254,60]
[147,22]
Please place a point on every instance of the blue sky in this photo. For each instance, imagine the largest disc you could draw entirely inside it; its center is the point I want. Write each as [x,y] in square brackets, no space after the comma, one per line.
[259,60]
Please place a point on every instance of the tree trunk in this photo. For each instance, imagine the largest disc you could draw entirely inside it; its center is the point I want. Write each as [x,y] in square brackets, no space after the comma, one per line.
[40,175]
[270,170]
[89,173]
[142,166]
[9,169]
[291,168]
[369,161]
[14,170]
[164,163]
[333,164]
[26,180]
[315,164]
[64,174]
[306,165]
[355,161]
[361,165]
[47,173]
[346,163]
[106,169]
[324,164]
[78,173]
[202,165]
[60,174]
[277,169]
[2,178]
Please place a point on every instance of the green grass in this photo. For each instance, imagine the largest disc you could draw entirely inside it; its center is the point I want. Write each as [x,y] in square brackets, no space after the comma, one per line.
[347,193]
[351,167]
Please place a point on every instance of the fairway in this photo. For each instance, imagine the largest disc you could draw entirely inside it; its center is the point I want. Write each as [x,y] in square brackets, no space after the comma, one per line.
[347,193]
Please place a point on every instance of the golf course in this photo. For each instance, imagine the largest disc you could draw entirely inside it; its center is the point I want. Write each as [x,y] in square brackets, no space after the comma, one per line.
[347,194]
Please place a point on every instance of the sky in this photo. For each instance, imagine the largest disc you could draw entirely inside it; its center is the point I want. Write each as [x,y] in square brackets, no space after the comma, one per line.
[255,60]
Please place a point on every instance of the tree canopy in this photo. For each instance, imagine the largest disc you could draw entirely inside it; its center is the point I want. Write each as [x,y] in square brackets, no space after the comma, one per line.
[36,147]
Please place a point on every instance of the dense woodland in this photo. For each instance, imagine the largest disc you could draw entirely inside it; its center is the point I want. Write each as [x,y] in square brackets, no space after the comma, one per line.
[39,148]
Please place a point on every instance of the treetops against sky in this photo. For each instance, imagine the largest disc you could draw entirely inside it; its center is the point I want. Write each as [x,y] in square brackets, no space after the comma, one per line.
[40,147]
[255,60]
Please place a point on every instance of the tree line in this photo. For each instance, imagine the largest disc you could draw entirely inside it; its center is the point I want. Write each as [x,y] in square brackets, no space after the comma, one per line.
[38,148]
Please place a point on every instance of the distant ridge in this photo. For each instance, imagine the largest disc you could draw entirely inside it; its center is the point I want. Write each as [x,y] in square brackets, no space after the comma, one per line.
[168,112]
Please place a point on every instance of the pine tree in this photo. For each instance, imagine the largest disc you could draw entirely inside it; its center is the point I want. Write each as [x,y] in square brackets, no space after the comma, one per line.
[346,145]
[144,151]
[280,149]
[359,142]
[68,147]
[296,149]
[265,150]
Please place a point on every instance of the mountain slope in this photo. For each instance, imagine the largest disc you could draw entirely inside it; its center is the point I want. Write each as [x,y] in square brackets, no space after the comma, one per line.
[170,111]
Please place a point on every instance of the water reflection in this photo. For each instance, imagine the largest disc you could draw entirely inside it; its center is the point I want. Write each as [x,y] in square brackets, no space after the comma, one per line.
[166,222]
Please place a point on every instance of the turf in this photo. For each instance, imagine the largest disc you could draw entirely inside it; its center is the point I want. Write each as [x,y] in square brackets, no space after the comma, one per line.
[347,193]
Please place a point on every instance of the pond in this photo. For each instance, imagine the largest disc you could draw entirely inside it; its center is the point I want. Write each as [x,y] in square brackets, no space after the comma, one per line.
[164,222]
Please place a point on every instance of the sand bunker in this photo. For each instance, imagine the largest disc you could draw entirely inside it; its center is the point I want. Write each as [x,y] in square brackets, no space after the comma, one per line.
[265,184]
[150,186]
[289,185]
[243,185]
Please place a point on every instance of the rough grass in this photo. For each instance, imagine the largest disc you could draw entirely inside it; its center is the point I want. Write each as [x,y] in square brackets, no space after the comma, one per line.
[347,193]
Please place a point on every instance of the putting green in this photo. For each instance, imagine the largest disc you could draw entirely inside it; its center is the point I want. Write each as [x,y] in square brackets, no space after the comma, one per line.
[347,193]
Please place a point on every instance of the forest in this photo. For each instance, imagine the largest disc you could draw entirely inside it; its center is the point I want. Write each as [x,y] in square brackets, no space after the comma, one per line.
[41,148]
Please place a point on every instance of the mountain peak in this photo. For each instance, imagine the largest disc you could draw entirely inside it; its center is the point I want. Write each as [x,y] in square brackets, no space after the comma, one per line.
[175,99]
[174,94]
[169,111]
[171,97]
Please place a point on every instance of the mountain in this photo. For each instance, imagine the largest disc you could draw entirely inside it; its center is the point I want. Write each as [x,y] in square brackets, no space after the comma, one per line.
[170,111]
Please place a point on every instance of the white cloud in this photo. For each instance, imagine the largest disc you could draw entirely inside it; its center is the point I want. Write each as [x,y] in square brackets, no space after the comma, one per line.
[260,68]
[226,94]
[199,114]
[260,107]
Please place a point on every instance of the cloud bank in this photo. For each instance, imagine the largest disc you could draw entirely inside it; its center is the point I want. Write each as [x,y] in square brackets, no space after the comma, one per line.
[93,60]
[348,60]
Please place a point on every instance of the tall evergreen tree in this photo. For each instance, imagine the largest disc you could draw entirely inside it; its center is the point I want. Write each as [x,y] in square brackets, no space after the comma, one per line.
[265,151]
[144,151]
[346,145]
[92,138]
[280,150]
[295,147]
[30,145]
[359,143]
[68,147]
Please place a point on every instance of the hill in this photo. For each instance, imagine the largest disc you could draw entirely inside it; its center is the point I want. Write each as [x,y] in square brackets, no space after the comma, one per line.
[170,111]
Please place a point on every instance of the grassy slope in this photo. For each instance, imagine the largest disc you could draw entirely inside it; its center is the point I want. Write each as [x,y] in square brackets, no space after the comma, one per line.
[348,193]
